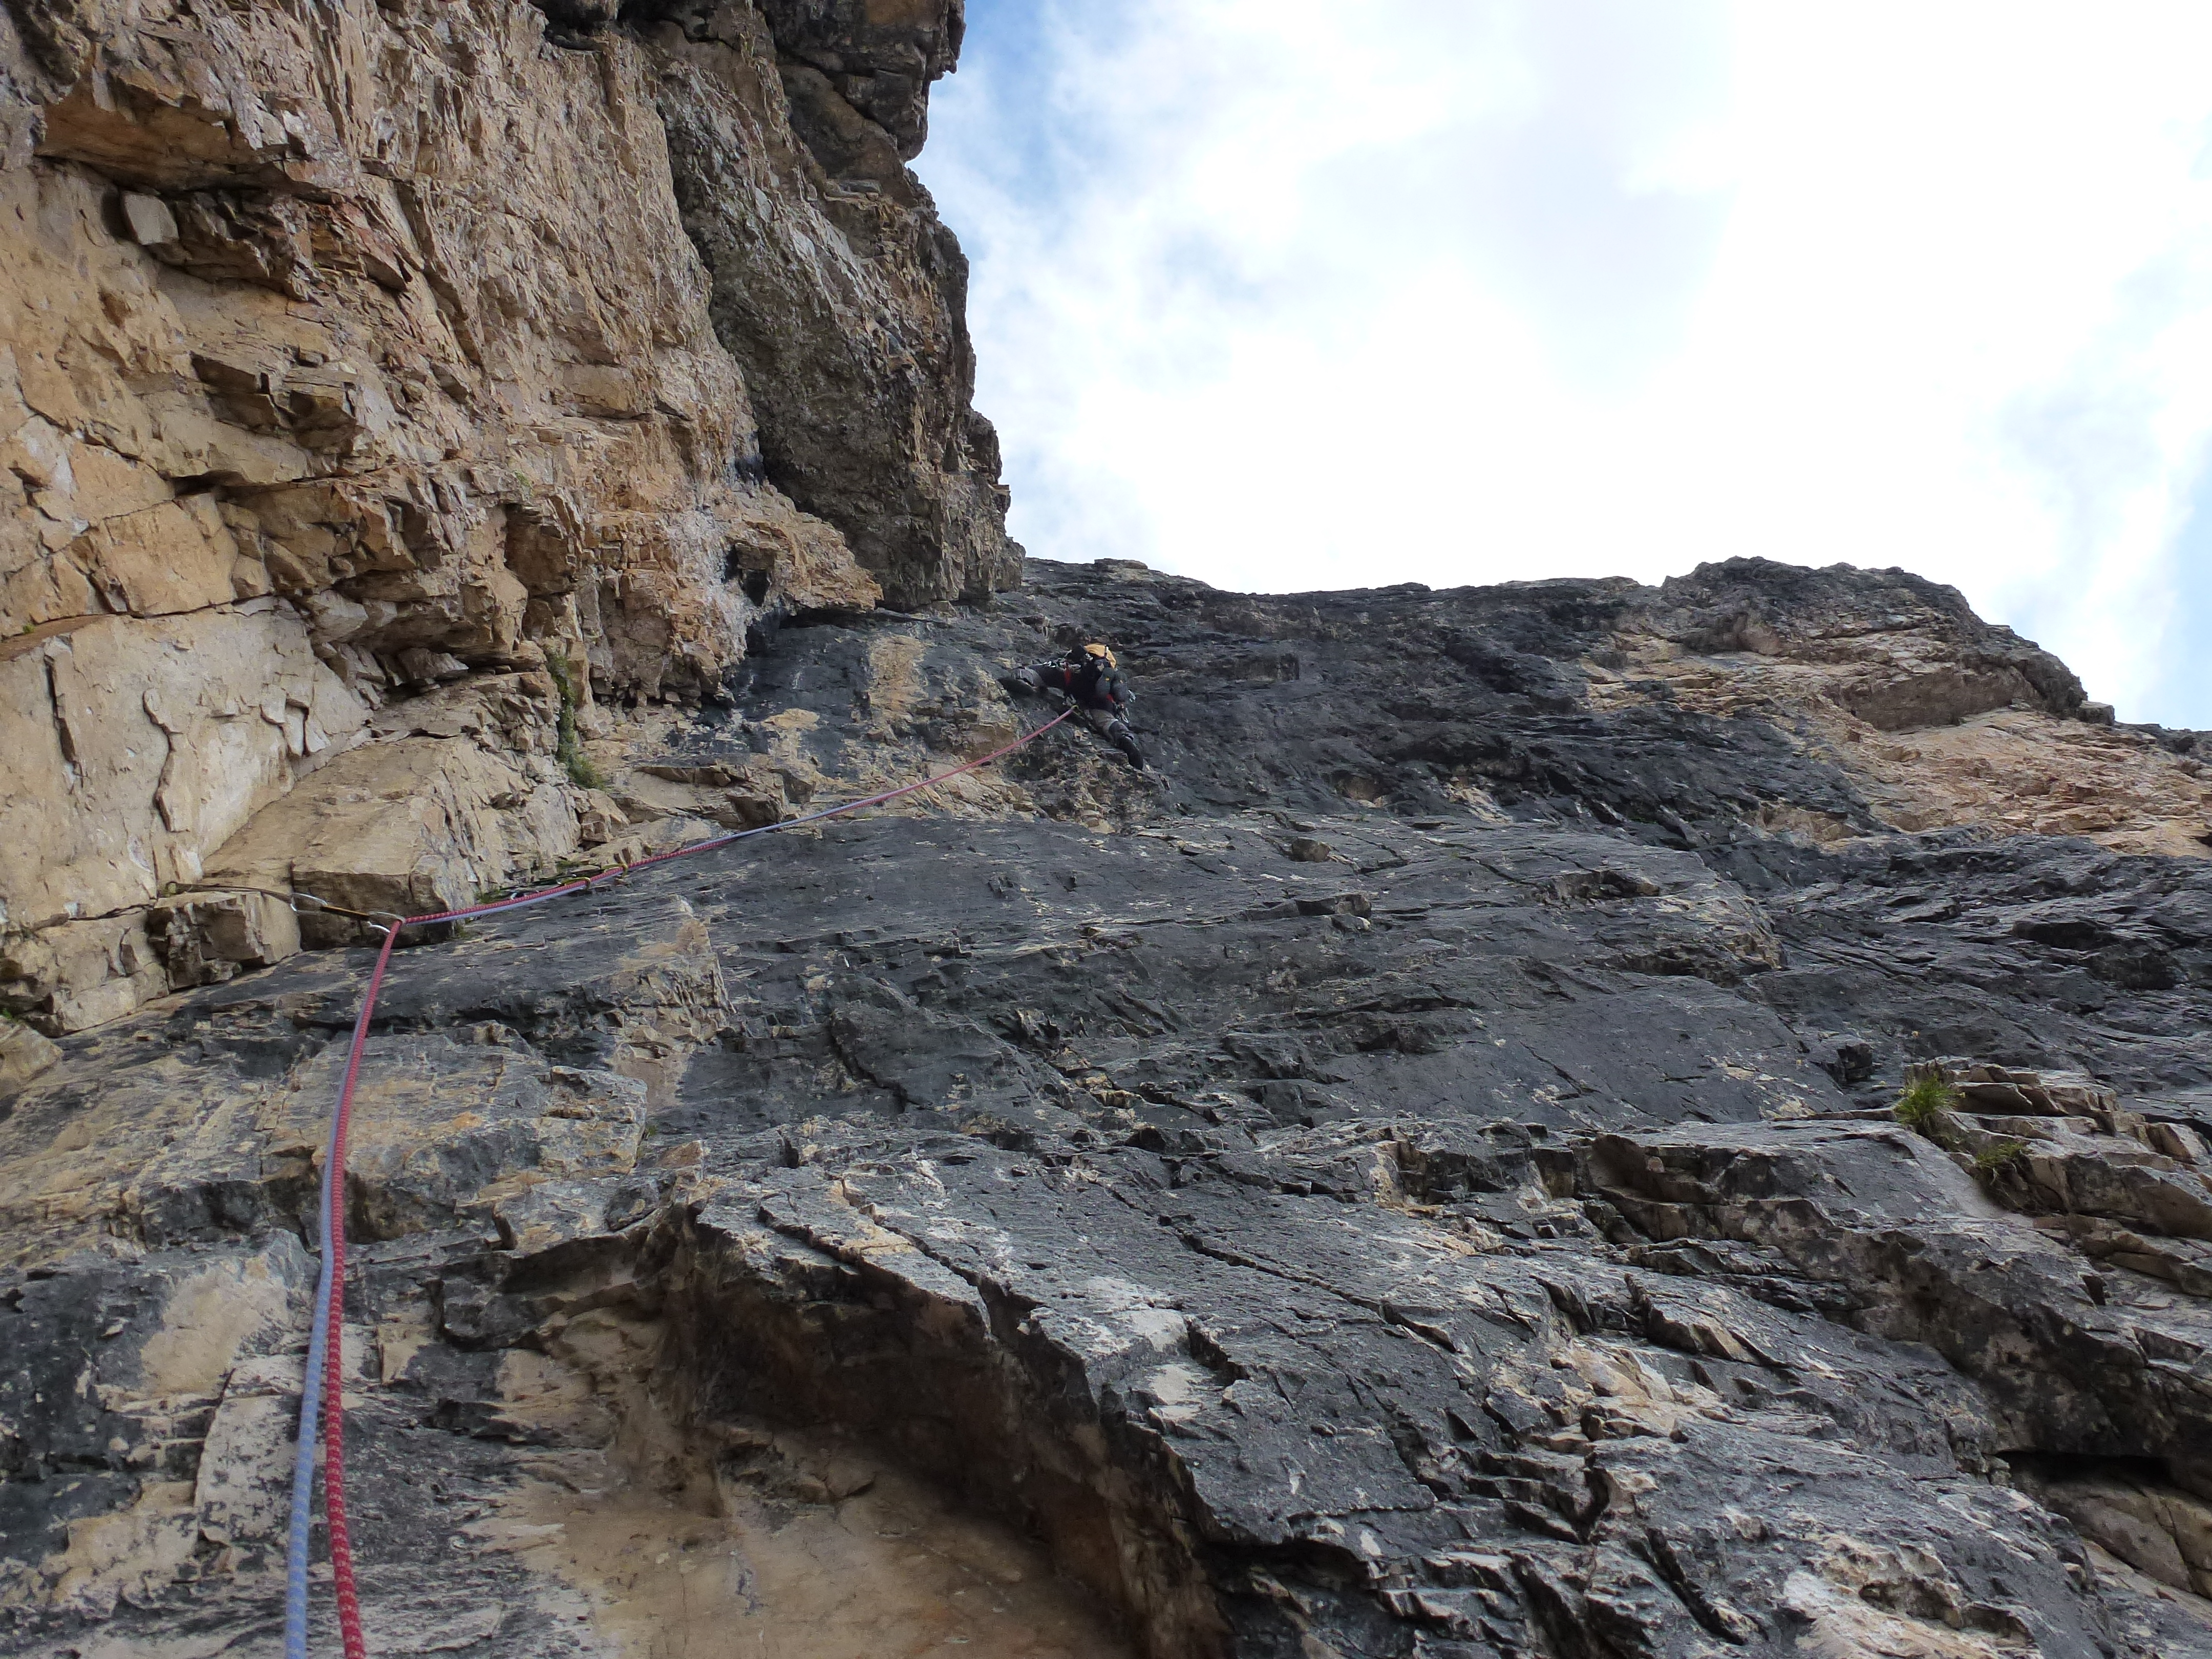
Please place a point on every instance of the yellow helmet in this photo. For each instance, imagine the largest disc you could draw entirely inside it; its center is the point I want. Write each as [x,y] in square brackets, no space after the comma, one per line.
[1095,650]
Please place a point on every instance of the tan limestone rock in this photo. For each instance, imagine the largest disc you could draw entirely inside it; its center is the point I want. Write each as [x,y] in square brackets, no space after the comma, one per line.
[395,315]
[137,747]
[2154,1528]
[203,939]
[74,974]
[407,827]
[24,1054]
[1941,719]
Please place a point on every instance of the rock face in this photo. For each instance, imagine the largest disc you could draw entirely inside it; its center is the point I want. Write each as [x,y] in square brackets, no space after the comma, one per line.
[349,350]
[1413,1175]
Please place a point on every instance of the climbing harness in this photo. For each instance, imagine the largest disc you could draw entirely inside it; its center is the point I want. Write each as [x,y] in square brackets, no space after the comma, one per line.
[321,1390]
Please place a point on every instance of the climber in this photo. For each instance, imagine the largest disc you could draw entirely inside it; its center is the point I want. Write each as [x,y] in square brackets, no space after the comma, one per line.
[1092,680]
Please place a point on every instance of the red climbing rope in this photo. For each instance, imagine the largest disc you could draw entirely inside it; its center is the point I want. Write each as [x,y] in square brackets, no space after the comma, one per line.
[334,1501]
[331,1315]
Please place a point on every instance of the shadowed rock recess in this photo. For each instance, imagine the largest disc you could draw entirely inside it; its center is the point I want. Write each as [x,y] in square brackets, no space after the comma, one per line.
[1411,1175]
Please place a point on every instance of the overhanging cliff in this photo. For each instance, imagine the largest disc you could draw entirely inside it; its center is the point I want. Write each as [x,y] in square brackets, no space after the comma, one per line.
[352,350]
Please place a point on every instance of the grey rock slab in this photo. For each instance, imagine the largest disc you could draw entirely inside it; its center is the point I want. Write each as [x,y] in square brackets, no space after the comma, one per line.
[1486,1238]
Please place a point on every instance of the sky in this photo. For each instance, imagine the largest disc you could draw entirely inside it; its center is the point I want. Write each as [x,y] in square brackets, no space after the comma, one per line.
[1294,293]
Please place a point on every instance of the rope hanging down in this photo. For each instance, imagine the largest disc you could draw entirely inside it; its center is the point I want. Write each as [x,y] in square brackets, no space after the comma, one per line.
[321,1396]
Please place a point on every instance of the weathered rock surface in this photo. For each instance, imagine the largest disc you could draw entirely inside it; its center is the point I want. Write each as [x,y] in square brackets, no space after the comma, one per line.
[1410,1176]
[1938,718]
[1413,1175]
[349,350]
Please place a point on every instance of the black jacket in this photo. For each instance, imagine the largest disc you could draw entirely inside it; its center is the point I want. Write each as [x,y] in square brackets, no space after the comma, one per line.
[1090,683]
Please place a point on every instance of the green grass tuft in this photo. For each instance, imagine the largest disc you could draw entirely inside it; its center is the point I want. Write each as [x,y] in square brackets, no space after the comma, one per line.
[1991,1158]
[574,760]
[1925,1101]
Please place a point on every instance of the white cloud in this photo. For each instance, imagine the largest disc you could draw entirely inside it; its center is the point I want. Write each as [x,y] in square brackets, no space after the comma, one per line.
[1286,293]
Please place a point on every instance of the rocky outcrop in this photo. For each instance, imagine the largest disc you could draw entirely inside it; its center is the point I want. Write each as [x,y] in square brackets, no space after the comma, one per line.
[352,351]
[1940,717]
[860,366]
[1414,1174]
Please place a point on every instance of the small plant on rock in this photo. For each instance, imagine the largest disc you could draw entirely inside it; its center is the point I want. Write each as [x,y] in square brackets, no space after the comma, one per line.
[1925,1100]
[1995,1156]
[574,760]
